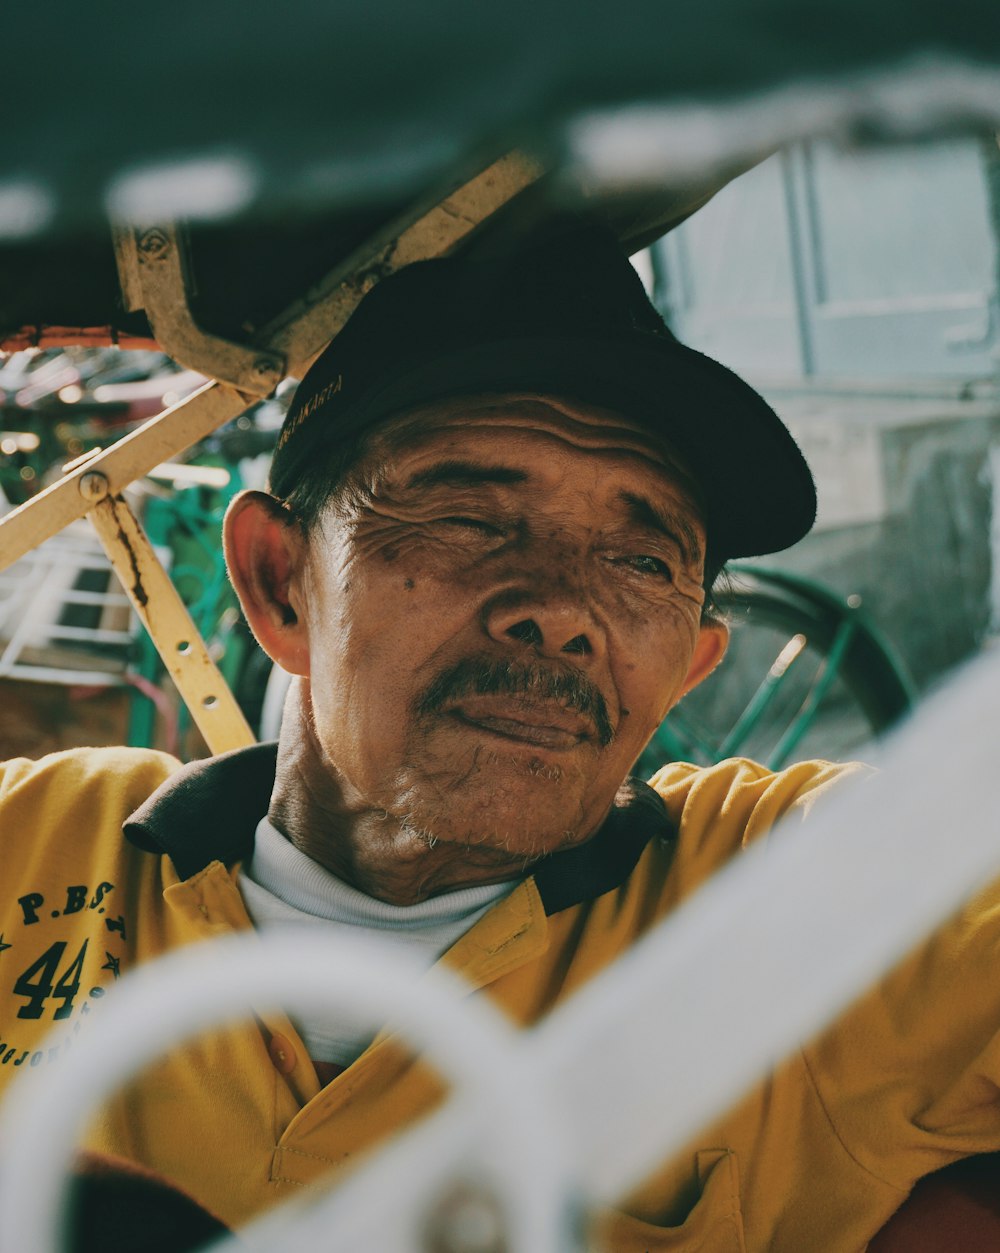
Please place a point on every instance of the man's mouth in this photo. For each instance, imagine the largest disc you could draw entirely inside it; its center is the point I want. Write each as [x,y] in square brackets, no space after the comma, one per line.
[526,703]
[541,724]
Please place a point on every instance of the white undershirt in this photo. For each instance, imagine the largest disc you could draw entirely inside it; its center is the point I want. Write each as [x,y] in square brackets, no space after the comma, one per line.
[282,887]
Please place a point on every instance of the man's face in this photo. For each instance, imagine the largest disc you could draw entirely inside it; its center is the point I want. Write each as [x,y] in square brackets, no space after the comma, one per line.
[499,615]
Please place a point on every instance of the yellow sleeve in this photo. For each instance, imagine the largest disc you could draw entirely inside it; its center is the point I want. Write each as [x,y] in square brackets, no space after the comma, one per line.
[718,810]
[66,798]
[910,1075]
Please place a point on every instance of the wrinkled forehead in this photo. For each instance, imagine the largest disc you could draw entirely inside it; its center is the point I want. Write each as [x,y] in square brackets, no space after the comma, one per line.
[513,422]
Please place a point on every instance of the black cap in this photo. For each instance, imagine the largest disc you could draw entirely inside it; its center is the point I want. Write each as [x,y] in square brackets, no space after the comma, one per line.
[564,316]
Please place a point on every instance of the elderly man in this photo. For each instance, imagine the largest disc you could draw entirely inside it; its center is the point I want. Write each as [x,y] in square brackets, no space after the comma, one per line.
[497,506]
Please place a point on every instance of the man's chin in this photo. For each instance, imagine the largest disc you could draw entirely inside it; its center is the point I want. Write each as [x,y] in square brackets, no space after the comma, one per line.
[523,823]
[502,844]
[515,799]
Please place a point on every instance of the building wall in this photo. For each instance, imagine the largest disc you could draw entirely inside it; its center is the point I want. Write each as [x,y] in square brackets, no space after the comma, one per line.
[909,517]
[858,288]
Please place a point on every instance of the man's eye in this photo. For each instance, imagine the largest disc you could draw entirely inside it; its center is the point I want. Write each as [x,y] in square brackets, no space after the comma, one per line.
[473,524]
[642,563]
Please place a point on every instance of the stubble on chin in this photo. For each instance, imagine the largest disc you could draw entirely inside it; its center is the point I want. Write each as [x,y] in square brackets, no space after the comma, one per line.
[517,806]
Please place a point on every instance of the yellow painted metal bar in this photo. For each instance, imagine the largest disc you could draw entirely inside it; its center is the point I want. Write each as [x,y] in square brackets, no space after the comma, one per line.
[129,459]
[203,689]
[306,328]
[151,274]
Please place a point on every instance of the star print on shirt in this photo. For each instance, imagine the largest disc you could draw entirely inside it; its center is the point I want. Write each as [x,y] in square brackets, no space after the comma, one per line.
[2,945]
[111,964]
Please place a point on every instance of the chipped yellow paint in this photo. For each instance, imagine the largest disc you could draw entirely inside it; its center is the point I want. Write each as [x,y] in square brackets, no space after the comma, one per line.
[203,689]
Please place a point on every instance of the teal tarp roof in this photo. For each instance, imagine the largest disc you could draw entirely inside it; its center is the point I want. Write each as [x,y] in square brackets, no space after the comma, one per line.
[336,114]
[348,100]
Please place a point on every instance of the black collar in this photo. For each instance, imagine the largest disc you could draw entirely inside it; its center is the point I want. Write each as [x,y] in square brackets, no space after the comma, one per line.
[209,810]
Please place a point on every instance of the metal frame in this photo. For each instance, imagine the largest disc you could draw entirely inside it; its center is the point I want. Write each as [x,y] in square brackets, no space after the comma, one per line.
[152,277]
[151,274]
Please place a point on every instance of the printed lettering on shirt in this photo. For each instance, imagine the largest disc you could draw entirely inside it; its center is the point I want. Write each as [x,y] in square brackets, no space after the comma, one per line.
[77,895]
[14,1055]
[56,977]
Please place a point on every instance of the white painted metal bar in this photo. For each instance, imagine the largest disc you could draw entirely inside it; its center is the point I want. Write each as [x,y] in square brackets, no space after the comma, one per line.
[12,649]
[94,635]
[469,1041]
[64,677]
[818,913]
[656,145]
[105,599]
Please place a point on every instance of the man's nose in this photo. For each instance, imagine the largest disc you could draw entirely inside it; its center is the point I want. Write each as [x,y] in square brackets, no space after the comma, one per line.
[555,618]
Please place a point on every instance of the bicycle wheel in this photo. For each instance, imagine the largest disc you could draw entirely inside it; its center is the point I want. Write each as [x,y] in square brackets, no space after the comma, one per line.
[808,674]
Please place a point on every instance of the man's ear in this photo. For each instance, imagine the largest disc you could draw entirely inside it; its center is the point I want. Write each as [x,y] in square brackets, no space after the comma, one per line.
[710,648]
[265,553]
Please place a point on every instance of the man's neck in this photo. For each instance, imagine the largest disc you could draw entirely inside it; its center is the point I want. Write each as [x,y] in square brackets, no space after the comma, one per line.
[368,848]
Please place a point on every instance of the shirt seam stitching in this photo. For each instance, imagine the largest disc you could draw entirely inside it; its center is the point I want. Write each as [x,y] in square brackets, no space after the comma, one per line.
[836,1131]
[506,943]
[316,1157]
[523,929]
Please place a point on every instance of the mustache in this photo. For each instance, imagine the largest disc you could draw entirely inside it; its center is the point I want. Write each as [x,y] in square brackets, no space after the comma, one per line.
[478,676]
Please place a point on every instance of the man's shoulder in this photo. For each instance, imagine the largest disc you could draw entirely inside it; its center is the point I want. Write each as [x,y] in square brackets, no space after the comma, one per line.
[743,785]
[61,838]
[717,810]
[97,777]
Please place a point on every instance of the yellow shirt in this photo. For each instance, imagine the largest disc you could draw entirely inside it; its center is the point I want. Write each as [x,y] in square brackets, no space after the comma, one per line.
[816,1158]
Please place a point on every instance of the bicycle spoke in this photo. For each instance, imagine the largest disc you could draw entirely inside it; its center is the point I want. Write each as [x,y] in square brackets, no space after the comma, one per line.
[825,678]
[789,714]
[679,735]
[764,696]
